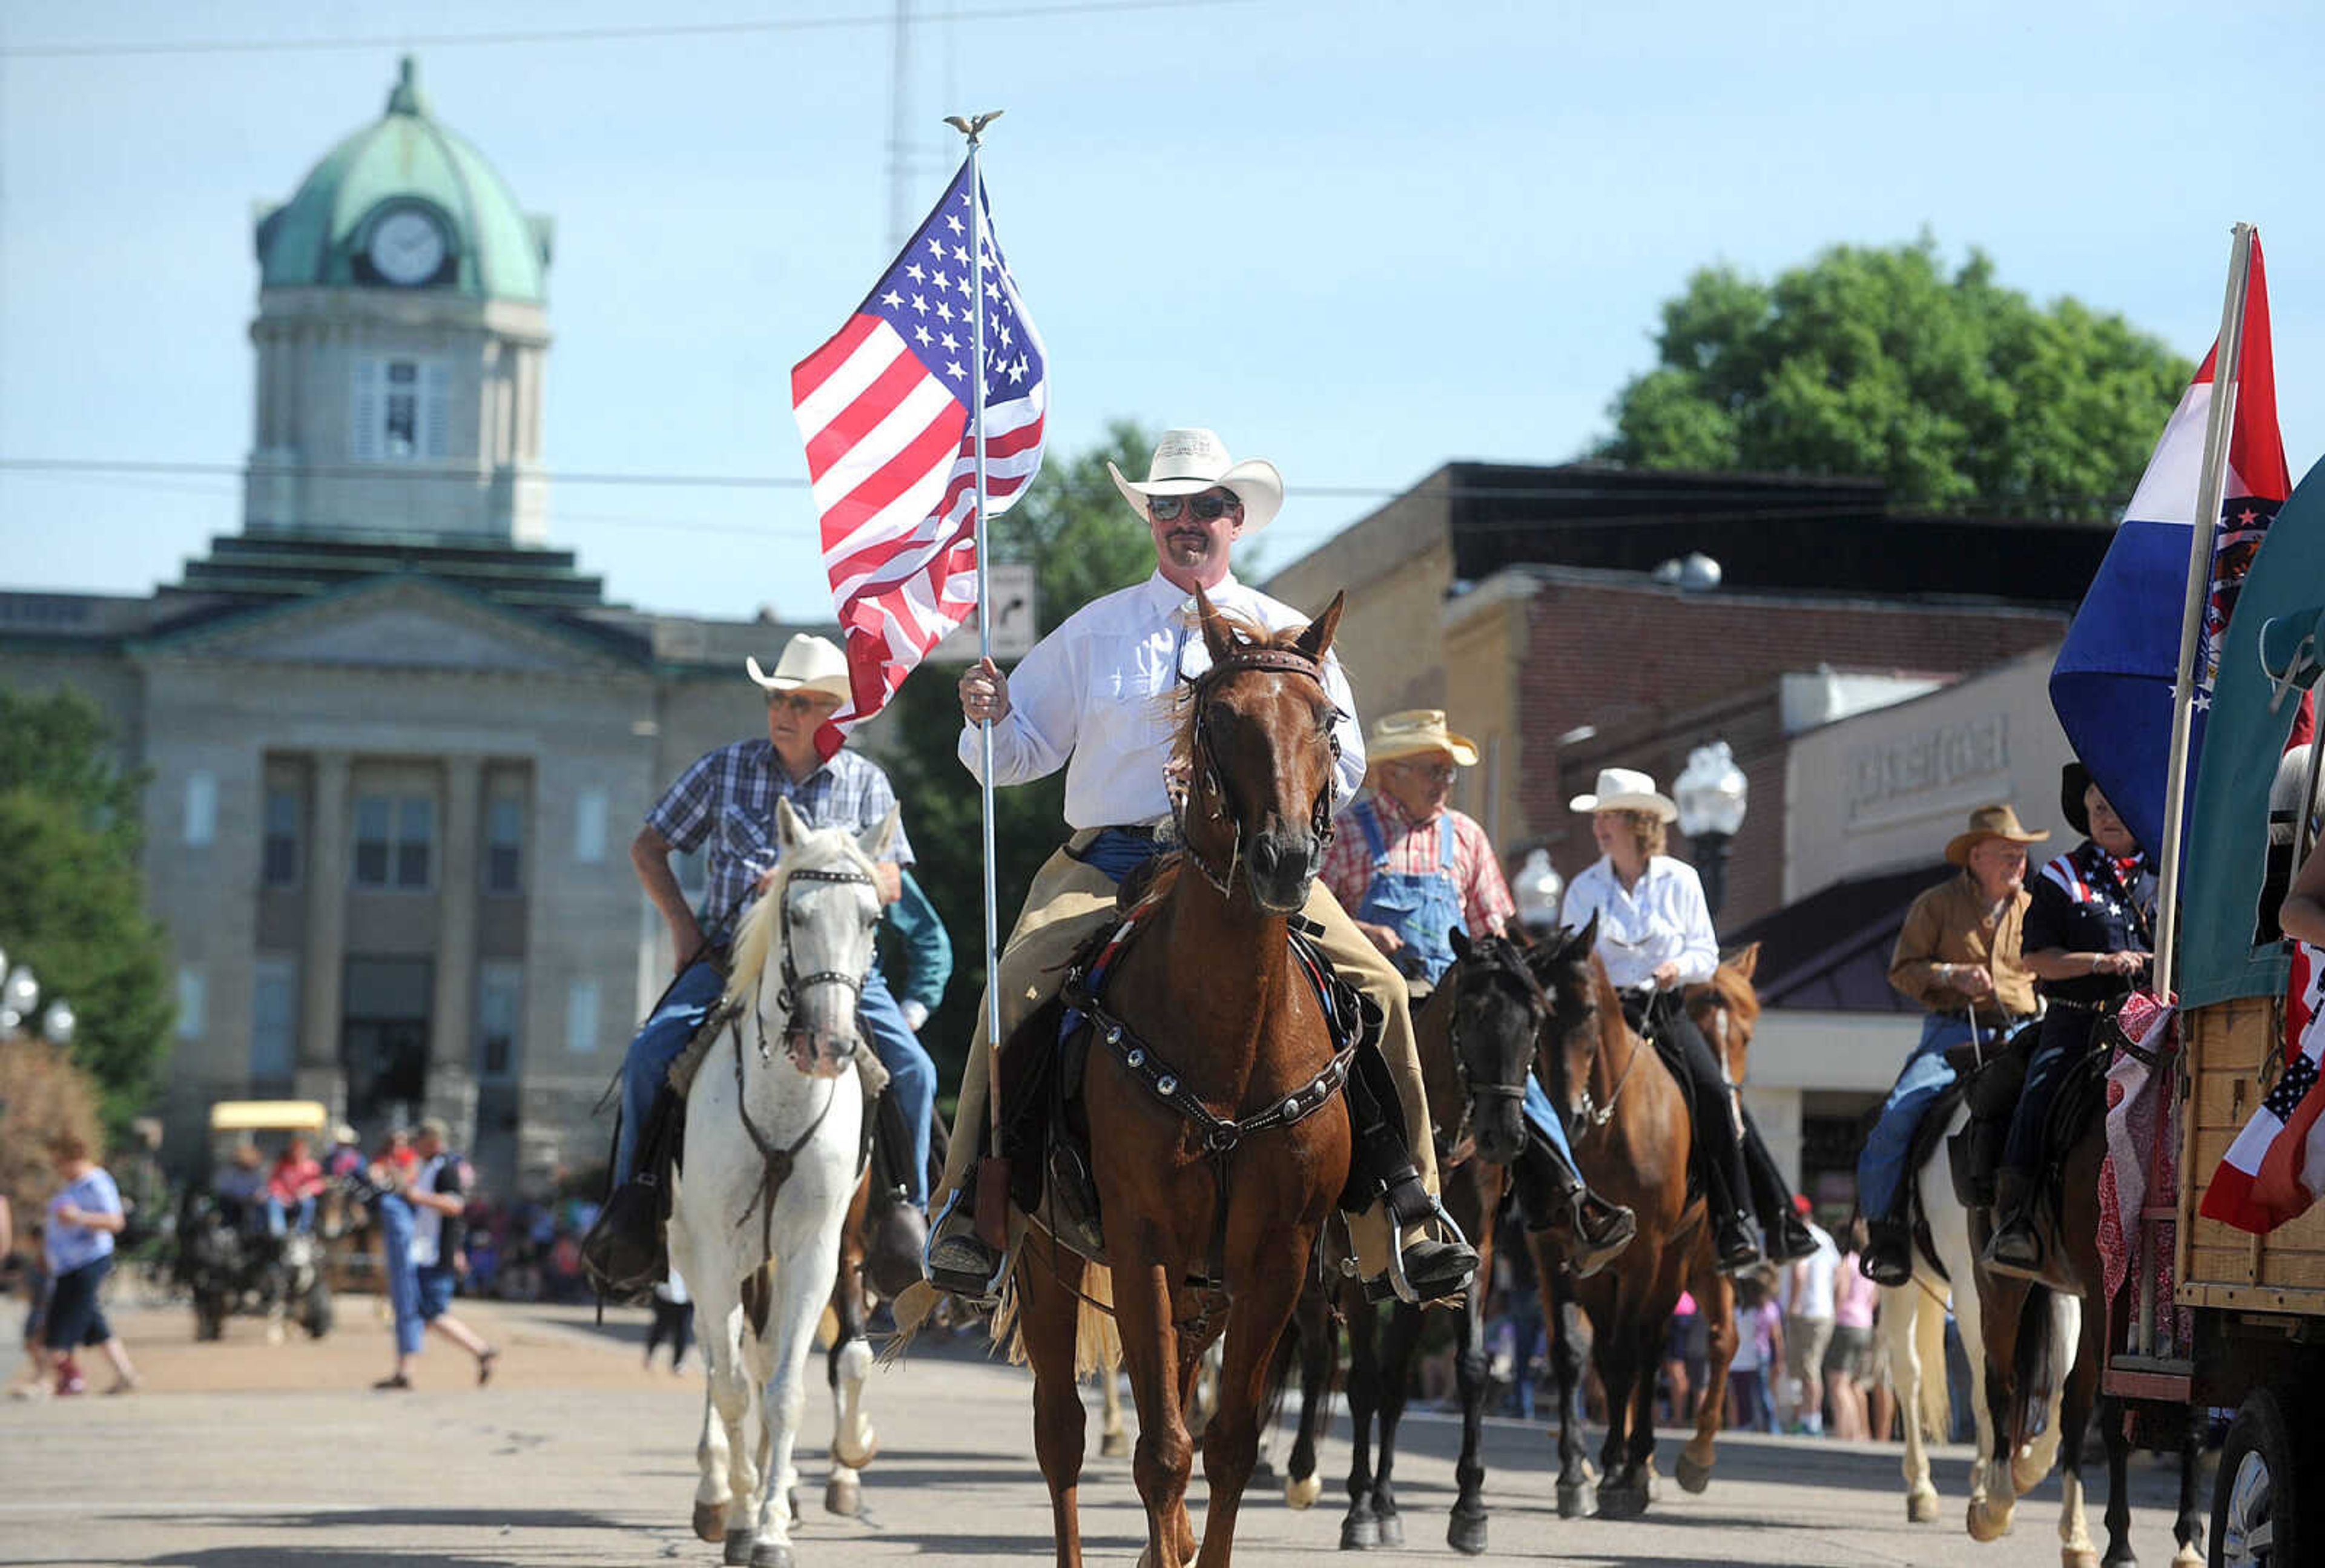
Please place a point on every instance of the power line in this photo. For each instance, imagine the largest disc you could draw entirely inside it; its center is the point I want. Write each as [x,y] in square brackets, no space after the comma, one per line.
[586,34]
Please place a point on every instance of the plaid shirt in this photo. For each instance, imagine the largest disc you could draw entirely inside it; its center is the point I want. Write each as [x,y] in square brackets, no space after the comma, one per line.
[1413,852]
[724,804]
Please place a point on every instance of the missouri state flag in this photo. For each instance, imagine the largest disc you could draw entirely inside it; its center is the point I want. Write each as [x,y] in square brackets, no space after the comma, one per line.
[885,408]
[2112,682]
[2276,1167]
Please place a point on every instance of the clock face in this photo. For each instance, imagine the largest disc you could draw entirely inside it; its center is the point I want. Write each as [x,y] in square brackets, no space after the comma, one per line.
[406,247]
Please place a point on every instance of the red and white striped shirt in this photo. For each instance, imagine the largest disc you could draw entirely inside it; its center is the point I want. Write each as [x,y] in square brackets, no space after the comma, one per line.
[1414,851]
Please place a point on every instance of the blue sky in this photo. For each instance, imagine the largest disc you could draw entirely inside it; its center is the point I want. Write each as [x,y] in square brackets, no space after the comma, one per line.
[1358,238]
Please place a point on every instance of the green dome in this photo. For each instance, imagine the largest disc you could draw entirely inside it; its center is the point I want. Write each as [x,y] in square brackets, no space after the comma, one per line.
[406,161]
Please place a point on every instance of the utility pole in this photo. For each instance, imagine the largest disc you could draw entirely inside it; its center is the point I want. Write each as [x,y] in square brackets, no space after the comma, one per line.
[900,146]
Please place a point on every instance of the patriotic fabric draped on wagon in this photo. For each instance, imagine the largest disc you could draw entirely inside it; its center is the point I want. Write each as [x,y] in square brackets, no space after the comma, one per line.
[884,408]
[2276,1167]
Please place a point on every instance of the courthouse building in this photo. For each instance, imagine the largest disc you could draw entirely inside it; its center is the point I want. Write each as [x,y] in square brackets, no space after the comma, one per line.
[398,742]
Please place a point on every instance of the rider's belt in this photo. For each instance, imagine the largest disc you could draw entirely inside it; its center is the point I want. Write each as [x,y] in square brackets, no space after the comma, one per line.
[2068,1004]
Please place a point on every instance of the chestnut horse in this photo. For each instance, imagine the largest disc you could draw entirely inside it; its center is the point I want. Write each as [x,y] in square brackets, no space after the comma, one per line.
[1631,1138]
[1209,1228]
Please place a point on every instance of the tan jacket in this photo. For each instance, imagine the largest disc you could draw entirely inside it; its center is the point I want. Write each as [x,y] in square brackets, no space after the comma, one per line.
[1949,924]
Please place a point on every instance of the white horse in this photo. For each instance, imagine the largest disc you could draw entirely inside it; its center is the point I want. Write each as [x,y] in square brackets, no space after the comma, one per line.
[1912,1330]
[772,1133]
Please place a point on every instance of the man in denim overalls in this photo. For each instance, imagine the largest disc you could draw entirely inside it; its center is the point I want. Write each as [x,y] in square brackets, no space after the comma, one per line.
[1413,871]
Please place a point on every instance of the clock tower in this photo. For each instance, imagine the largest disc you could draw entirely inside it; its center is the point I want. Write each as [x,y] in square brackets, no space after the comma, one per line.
[401,337]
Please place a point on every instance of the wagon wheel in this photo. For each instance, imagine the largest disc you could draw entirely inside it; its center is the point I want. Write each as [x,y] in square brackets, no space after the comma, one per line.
[2263,1510]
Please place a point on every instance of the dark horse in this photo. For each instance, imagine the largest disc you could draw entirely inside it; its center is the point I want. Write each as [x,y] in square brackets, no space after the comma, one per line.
[1632,1138]
[1477,1034]
[1207,1232]
[2020,1372]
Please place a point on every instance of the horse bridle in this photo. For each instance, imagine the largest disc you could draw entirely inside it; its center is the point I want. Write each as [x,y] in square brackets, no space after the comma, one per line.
[790,981]
[1205,764]
[1502,957]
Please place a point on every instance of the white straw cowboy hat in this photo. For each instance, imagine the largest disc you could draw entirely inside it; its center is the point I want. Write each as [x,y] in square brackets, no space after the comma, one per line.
[813,662]
[1187,462]
[1416,732]
[1622,789]
[1995,821]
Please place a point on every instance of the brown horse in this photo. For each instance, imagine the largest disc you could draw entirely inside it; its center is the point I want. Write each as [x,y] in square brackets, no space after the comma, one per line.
[1207,1231]
[1631,1138]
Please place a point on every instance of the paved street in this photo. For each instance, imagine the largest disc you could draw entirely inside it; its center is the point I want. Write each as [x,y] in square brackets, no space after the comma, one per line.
[245,1455]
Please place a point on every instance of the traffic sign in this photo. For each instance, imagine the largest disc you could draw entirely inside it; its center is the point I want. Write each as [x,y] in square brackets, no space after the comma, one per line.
[1014,618]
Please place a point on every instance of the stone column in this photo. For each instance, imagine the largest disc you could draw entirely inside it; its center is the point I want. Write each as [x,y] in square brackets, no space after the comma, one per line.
[451,1062]
[322,963]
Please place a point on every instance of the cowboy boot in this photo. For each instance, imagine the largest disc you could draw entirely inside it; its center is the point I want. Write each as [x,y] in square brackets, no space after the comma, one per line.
[1554,1199]
[958,1260]
[1888,1256]
[1734,1237]
[2015,1247]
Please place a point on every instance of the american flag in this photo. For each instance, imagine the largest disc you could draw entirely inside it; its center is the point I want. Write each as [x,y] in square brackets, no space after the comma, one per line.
[884,409]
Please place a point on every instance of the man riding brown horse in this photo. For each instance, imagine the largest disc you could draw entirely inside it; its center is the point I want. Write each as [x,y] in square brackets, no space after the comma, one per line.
[1092,698]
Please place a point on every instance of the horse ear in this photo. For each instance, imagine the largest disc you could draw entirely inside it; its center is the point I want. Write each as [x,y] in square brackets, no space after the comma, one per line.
[1586,940]
[1216,636]
[789,829]
[1460,941]
[1318,637]
[1744,963]
[879,843]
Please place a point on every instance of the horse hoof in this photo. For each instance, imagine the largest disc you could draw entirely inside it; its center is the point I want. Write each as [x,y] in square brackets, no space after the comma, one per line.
[1621,1502]
[2079,1557]
[1467,1533]
[1692,1476]
[739,1549]
[1989,1523]
[1922,1506]
[1391,1529]
[1114,1446]
[1301,1492]
[1569,1499]
[774,1554]
[2189,1555]
[710,1522]
[842,1495]
[1360,1535]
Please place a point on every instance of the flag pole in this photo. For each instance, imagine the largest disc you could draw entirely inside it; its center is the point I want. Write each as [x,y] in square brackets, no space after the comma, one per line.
[992,1209]
[2211,493]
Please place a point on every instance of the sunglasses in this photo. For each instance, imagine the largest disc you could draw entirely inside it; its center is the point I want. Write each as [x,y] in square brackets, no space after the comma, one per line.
[1209,508]
[1434,772]
[799,701]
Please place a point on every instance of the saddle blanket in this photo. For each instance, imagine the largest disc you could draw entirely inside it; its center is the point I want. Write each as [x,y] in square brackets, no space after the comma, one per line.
[2142,1153]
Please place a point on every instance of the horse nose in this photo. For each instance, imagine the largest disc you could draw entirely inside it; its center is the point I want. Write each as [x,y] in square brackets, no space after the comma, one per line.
[1282,863]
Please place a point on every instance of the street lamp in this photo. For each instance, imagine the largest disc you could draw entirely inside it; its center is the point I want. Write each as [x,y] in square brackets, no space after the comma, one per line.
[57,1025]
[20,993]
[1710,794]
[1538,890]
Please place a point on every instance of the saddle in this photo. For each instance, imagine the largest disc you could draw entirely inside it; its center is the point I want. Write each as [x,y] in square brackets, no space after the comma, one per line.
[1045,1125]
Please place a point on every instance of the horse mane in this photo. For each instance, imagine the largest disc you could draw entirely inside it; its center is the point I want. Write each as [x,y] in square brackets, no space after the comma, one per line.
[755,938]
[1245,632]
[1736,992]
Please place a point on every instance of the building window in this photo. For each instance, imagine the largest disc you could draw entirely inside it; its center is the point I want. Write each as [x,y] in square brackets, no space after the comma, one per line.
[201,808]
[279,858]
[193,1001]
[500,1002]
[274,1019]
[582,1017]
[394,841]
[589,827]
[505,845]
[401,411]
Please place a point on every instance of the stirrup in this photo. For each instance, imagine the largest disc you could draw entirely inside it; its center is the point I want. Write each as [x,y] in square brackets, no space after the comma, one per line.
[1399,1282]
[2027,1258]
[979,1289]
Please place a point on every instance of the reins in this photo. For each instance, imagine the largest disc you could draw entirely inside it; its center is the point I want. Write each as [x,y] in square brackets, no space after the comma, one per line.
[776,1163]
[1596,1117]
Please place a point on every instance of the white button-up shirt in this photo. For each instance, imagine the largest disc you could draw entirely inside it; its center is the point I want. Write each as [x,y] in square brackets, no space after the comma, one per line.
[1664,917]
[1094,698]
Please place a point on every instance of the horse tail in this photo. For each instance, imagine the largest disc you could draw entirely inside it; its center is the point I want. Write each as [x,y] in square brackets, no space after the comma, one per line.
[2037,1366]
[1098,1339]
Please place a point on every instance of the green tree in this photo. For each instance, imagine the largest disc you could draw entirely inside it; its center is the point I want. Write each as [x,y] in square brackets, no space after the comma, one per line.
[72,902]
[1956,391]
[1083,541]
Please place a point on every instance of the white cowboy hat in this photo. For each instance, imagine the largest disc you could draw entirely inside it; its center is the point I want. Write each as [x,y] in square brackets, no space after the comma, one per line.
[810,661]
[1622,789]
[1187,462]
[1415,731]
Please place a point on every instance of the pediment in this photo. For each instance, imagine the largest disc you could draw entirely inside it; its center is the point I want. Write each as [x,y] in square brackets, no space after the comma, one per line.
[402,624]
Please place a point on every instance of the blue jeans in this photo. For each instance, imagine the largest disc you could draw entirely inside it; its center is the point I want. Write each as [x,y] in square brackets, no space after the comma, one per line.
[1881,1168]
[394,1212]
[913,1076]
[278,1214]
[2067,1034]
[1544,1117]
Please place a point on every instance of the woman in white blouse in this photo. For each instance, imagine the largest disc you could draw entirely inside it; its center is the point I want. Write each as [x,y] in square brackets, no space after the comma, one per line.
[1655,938]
